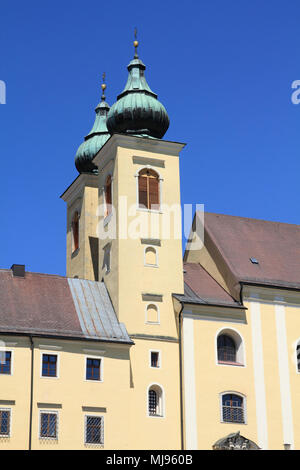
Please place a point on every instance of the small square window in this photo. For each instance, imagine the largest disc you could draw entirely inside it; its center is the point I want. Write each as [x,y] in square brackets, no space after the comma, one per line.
[48,425]
[93,369]
[155,359]
[94,430]
[5,362]
[49,367]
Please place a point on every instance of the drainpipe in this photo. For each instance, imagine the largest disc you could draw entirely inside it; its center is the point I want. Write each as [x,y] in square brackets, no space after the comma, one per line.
[31,390]
[180,376]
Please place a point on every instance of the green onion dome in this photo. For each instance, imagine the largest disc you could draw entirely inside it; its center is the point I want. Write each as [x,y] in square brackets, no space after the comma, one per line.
[137,110]
[95,140]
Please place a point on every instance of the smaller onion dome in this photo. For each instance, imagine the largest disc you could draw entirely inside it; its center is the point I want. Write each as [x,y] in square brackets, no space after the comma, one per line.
[96,138]
[137,110]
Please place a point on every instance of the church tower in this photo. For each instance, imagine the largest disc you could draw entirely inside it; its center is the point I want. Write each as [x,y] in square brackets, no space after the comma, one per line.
[127,201]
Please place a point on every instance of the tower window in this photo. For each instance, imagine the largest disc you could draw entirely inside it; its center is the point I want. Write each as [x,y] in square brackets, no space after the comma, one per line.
[155,401]
[155,359]
[233,408]
[108,195]
[148,189]
[150,256]
[75,232]
[152,314]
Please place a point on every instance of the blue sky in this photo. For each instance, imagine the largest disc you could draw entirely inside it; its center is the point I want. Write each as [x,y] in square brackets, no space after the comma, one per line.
[222,69]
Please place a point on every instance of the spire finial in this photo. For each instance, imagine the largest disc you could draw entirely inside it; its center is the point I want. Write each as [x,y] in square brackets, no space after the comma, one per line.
[135,43]
[103,86]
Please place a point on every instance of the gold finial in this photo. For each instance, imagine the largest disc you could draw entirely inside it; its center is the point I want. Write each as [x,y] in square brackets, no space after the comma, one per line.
[103,86]
[135,42]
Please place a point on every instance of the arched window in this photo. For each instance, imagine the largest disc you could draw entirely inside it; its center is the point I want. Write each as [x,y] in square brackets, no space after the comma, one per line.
[152,314]
[148,189]
[108,195]
[75,232]
[226,349]
[155,401]
[233,408]
[150,256]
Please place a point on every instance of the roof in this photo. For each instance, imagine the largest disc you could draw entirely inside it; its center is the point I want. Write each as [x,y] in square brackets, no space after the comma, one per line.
[50,305]
[275,245]
[201,288]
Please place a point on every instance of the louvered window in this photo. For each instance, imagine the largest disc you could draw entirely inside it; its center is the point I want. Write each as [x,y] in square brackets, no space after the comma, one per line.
[149,189]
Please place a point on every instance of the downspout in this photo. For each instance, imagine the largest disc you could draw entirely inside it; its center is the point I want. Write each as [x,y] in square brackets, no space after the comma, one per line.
[180,375]
[31,390]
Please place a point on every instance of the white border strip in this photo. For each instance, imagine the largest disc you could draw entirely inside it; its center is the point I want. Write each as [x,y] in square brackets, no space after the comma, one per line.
[259,378]
[189,385]
[284,376]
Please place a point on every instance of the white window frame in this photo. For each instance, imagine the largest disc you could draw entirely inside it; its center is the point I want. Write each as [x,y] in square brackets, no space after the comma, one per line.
[49,412]
[159,358]
[240,347]
[160,179]
[146,315]
[3,436]
[50,353]
[4,350]
[162,399]
[239,394]
[96,444]
[156,257]
[101,358]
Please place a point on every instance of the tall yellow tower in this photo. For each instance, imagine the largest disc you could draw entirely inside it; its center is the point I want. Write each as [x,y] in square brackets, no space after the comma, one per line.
[124,228]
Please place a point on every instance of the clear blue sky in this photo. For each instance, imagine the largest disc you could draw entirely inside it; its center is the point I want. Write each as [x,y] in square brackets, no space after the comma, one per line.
[222,69]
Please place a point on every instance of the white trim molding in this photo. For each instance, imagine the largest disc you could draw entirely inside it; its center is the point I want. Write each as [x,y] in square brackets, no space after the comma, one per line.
[259,375]
[284,375]
[190,404]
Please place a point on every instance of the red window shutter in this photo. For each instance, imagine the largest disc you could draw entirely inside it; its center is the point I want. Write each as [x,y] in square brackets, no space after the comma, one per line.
[143,196]
[154,192]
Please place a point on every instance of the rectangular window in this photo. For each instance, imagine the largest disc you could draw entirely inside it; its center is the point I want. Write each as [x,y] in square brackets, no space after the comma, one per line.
[93,369]
[5,423]
[5,362]
[94,430]
[48,425]
[49,367]
[155,359]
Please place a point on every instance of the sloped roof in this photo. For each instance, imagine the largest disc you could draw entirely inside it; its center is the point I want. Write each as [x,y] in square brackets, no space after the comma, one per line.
[275,245]
[201,288]
[44,304]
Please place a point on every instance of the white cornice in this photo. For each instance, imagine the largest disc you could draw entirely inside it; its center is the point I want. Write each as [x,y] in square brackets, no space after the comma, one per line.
[81,181]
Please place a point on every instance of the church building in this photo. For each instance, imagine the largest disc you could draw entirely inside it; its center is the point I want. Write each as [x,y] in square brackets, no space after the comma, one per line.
[139,347]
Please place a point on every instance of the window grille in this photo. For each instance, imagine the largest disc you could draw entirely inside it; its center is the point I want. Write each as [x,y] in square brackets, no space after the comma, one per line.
[93,371]
[5,362]
[5,423]
[94,430]
[49,368]
[48,425]
[226,349]
[233,409]
[153,403]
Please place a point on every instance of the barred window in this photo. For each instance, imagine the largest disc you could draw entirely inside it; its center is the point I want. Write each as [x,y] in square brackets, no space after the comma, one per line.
[93,369]
[5,362]
[94,429]
[226,349]
[155,401]
[4,423]
[233,408]
[48,425]
[49,367]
